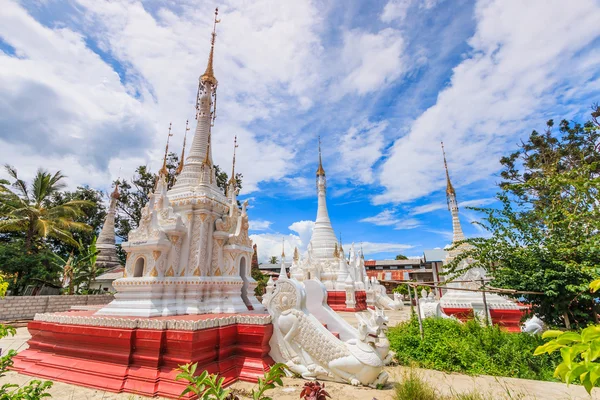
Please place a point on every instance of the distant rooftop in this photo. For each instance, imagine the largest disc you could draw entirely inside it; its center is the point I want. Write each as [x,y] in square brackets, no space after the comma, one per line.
[435,255]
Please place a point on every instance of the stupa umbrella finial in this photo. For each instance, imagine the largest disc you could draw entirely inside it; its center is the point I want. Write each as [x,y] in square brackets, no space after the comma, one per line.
[209,74]
[164,171]
[449,188]
[181,160]
[232,181]
[282,271]
[320,170]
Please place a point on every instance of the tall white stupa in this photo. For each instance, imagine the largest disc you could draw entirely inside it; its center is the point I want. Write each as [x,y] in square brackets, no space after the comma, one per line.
[191,253]
[461,303]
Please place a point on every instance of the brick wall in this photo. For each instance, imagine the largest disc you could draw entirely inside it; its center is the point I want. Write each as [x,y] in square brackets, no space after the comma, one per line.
[14,308]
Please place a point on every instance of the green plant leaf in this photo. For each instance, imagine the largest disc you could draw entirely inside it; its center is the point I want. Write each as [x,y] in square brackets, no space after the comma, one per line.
[590,333]
[595,285]
[551,334]
[568,337]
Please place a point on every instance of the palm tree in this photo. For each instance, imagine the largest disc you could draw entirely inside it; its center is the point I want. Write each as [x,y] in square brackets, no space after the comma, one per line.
[273,260]
[79,268]
[27,209]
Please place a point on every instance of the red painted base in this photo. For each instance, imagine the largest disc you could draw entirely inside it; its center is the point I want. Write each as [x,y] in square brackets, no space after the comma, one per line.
[337,301]
[509,320]
[142,361]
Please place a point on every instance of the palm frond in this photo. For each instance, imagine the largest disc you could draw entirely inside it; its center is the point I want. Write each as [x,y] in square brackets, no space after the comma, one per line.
[19,184]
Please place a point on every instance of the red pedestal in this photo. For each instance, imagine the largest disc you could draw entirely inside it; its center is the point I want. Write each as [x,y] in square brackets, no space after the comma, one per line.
[337,301]
[509,320]
[142,361]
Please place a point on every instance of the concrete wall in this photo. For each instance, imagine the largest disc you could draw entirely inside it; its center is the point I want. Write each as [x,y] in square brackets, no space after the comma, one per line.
[14,308]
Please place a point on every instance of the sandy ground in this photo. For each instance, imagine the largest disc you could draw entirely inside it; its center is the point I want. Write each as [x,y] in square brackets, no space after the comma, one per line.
[493,387]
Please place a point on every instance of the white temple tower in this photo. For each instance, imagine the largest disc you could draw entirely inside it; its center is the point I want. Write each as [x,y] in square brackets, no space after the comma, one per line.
[107,256]
[191,253]
[323,243]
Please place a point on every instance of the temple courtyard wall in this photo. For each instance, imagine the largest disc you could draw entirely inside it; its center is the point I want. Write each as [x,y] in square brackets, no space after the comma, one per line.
[15,308]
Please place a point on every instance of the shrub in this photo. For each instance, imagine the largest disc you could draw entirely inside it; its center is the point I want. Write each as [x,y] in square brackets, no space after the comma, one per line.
[470,348]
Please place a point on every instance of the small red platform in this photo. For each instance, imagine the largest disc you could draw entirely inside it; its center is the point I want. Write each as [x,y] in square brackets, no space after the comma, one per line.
[508,319]
[337,301]
[142,361]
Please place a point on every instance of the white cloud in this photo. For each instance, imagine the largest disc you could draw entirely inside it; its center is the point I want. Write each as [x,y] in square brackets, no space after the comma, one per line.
[62,96]
[259,225]
[388,217]
[520,66]
[395,10]
[375,248]
[360,147]
[270,244]
[370,61]
[427,208]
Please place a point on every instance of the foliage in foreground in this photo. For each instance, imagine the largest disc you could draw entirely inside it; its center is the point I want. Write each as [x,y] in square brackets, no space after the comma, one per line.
[210,387]
[579,351]
[470,348]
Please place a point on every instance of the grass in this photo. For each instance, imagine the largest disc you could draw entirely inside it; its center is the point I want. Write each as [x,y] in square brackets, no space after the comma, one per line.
[414,387]
[470,348]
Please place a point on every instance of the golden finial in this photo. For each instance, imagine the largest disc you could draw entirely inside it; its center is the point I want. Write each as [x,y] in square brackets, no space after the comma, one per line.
[282,249]
[232,180]
[209,74]
[163,170]
[181,160]
[341,247]
[296,254]
[449,188]
[320,170]
[336,253]
[115,193]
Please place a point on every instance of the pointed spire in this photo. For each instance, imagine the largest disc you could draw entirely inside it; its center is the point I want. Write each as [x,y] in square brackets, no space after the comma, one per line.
[232,180]
[282,271]
[336,252]
[320,170]
[209,74]
[296,254]
[181,160]
[457,233]
[164,171]
[449,188]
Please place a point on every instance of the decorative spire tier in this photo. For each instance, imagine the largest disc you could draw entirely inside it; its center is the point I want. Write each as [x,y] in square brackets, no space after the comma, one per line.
[323,241]
[107,256]
[198,168]
[182,158]
[457,233]
[191,253]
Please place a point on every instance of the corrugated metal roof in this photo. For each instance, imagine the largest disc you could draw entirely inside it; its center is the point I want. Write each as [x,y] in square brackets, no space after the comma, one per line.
[435,255]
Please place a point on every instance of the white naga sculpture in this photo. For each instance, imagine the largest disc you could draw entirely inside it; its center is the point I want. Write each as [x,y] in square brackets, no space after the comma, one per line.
[315,342]
[378,297]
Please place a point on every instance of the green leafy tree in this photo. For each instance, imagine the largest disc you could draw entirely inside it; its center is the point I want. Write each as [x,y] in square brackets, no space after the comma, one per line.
[93,216]
[273,260]
[401,257]
[22,268]
[544,237]
[26,209]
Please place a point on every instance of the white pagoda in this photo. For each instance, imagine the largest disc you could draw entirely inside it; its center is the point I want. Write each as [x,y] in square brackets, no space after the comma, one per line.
[325,259]
[191,253]
[462,302]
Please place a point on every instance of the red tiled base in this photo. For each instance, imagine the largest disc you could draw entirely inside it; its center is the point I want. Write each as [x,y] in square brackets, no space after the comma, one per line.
[337,301]
[142,361]
[509,320]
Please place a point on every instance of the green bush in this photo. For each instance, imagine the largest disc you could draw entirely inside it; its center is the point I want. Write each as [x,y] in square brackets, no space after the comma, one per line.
[470,348]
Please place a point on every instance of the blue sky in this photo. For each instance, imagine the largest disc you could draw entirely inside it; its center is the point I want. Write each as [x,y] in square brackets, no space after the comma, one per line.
[90,86]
